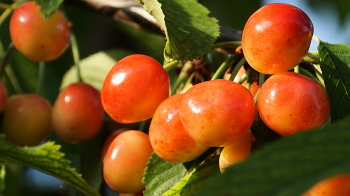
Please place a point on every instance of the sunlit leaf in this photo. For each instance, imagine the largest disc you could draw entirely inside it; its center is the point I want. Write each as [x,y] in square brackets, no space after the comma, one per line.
[161,175]
[46,158]
[189,31]
[334,62]
[192,182]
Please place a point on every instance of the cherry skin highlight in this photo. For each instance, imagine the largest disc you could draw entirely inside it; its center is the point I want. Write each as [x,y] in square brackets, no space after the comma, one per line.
[276,37]
[27,119]
[125,161]
[133,88]
[77,114]
[109,140]
[289,102]
[37,38]
[218,112]
[169,139]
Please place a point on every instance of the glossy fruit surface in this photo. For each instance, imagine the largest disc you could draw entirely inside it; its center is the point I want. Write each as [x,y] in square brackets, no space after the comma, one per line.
[109,140]
[26,119]
[218,112]
[133,88]
[289,102]
[126,160]
[338,185]
[3,96]
[35,37]
[169,139]
[77,114]
[276,37]
[236,152]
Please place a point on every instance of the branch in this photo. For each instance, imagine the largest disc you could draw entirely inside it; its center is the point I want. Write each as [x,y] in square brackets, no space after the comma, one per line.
[129,12]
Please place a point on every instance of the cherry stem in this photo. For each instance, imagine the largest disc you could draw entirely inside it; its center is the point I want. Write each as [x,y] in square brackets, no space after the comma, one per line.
[6,13]
[170,65]
[183,76]
[5,6]
[13,80]
[297,69]
[143,126]
[41,74]
[230,44]
[76,57]
[316,38]
[223,67]
[6,58]
[262,78]
[311,57]
[237,68]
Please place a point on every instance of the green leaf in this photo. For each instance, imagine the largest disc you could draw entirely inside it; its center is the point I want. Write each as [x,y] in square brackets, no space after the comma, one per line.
[2,177]
[288,166]
[94,68]
[161,175]
[334,62]
[46,158]
[48,7]
[192,182]
[189,31]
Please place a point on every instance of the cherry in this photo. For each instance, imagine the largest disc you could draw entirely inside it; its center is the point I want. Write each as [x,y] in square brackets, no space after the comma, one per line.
[37,38]
[77,114]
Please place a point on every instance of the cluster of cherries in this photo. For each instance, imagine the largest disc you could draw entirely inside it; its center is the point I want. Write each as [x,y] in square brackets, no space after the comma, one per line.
[216,113]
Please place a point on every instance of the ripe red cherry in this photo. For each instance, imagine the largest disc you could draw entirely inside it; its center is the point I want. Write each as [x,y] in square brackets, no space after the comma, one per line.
[168,136]
[133,88]
[77,114]
[125,161]
[218,112]
[289,102]
[26,119]
[276,37]
[35,37]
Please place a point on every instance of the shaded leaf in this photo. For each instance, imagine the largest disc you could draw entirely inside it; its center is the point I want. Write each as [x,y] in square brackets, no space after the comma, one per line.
[2,178]
[189,31]
[288,166]
[192,182]
[93,69]
[46,158]
[48,7]
[334,62]
[161,175]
